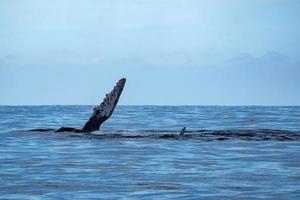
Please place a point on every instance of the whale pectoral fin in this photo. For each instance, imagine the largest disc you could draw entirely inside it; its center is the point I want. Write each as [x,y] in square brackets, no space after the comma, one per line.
[106,108]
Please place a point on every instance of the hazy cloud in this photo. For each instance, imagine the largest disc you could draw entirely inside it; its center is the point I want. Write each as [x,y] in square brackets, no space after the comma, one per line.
[9,59]
[269,58]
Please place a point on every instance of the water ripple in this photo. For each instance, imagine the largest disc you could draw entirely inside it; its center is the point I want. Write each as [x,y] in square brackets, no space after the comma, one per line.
[226,153]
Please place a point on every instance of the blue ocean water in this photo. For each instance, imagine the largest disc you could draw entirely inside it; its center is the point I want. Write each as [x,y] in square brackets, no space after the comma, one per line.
[226,153]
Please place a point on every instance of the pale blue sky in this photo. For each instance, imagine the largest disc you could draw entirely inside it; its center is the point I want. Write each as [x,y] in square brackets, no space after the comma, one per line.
[172,52]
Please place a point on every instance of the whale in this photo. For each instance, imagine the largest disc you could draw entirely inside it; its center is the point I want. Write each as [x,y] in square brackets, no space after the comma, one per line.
[100,113]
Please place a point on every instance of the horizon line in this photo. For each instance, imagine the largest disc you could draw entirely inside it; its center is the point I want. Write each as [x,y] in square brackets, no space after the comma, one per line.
[174,105]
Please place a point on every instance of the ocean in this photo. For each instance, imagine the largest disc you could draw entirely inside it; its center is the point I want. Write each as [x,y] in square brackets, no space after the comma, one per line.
[227,152]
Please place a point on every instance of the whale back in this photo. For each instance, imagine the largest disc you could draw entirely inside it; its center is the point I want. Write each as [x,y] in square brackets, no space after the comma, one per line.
[102,112]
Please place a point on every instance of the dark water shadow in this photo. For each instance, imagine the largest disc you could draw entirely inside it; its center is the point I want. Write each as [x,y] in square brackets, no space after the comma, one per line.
[205,135]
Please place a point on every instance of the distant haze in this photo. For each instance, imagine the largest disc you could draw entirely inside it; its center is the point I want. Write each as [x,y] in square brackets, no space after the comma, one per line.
[172,52]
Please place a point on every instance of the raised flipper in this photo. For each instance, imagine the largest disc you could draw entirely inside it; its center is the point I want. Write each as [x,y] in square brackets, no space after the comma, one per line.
[100,114]
[105,109]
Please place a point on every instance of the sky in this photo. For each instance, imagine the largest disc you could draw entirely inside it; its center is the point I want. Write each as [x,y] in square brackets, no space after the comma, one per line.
[172,52]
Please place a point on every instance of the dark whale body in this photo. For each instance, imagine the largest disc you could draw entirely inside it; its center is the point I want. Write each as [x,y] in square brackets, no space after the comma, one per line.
[100,113]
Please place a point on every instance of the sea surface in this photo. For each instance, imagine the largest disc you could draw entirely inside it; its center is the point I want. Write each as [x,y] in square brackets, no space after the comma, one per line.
[225,153]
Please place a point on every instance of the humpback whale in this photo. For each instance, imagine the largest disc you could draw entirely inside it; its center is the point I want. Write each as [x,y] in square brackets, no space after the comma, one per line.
[100,113]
